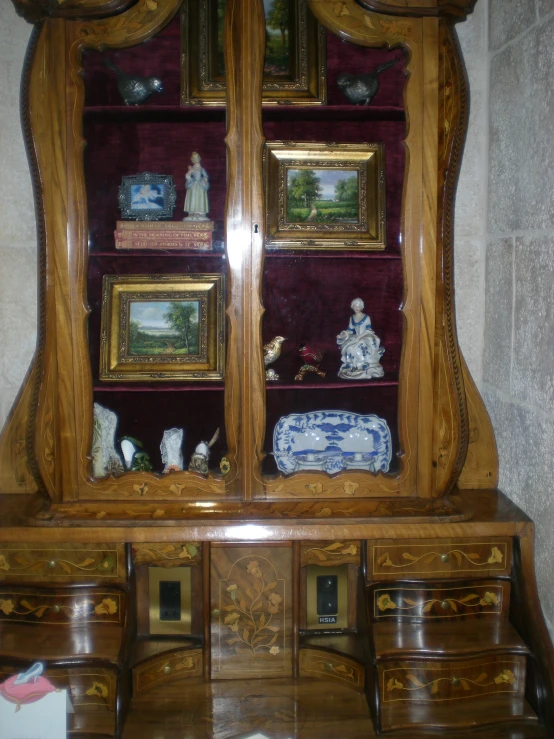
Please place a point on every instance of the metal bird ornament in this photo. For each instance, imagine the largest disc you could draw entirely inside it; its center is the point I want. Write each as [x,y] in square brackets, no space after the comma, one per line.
[272,352]
[360,89]
[132,88]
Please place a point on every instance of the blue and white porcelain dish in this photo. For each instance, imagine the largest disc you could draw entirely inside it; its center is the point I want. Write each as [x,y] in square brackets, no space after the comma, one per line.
[332,441]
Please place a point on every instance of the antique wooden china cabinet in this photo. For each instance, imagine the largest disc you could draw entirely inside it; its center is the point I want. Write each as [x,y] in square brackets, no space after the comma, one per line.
[271,582]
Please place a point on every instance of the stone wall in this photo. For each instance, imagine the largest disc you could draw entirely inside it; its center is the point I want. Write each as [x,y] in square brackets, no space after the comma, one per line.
[18,273]
[518,358]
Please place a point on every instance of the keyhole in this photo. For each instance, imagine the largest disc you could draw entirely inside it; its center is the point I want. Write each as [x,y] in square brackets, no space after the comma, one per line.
[256,228]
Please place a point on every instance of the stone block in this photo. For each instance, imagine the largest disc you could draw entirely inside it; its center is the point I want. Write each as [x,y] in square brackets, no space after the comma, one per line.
[497,354]
[521,181]
[507,19]
[470,302]
[545,6]
[533,351]
[18,277]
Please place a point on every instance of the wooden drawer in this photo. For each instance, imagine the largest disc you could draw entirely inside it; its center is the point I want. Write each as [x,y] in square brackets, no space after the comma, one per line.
[28,605]
[427,559]
[85,563]
[330,666]
[329,553]
[407,601]
[163,554]
[436,682]
[179,665]
[90,688]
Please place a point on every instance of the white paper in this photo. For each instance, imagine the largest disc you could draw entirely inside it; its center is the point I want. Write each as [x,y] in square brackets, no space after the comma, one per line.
[44,719]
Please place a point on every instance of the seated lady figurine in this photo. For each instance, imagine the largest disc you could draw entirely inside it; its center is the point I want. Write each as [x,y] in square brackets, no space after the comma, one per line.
[197,186]
[360,347]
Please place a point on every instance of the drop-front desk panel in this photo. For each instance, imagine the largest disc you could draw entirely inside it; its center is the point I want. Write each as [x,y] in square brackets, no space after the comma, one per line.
[420,617]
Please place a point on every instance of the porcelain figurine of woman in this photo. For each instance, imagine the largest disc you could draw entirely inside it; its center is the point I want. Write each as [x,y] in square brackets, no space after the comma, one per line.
[197,185]
[360,347]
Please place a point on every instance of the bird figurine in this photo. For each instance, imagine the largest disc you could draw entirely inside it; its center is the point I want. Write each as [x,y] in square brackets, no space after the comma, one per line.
[312,357]
[199,460]
[272,352]
[134,89]
[360,89]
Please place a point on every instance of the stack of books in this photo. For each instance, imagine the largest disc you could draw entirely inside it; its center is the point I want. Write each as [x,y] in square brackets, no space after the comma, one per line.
[162,235]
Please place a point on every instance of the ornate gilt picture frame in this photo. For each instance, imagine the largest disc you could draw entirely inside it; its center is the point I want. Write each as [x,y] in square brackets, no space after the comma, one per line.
[325,196]
[295,63]
[162,328]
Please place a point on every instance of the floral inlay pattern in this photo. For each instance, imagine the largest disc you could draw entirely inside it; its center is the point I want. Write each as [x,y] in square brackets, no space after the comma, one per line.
[495,557]
[252,618]
[22,562]
[332,552]
[21,606]
[412,683]
[473,600]
[165,553]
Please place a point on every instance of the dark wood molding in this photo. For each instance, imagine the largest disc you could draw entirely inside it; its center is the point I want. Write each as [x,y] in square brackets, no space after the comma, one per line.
[36,11]
[457,9]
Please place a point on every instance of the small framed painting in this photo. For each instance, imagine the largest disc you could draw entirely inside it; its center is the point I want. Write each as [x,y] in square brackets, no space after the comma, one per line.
[325,196]
[162,328]
[147,197]
[295,56]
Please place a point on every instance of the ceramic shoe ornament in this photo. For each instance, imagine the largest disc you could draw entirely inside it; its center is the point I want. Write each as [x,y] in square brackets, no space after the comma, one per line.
[199,460]
[360,89]
[133,88]
[272,352]
[26,687]
[360,347]
[171,449]
[312,359]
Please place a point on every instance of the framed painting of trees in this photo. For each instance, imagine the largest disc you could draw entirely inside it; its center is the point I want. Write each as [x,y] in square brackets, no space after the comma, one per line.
[329,196]
[159,328]
[294,69]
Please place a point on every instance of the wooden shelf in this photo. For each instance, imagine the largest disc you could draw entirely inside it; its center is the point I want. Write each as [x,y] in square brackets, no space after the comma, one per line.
[302,385]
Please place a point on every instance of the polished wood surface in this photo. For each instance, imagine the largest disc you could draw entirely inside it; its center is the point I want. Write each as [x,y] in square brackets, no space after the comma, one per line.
[443,639]
[448,600]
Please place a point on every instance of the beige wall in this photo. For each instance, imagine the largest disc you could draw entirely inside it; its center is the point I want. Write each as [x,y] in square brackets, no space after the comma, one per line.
[17,221]
[504,242]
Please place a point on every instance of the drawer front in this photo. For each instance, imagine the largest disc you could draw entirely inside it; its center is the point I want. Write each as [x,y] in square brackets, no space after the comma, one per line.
[179,665]
[432,558]
[330,553]
[435,682]
[76,563]
[25,605]
[406,601]
[90,688]
[163,554]
[330,666]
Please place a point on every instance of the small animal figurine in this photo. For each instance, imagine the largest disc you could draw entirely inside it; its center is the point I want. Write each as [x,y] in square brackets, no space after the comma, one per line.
[272,352]
[132,88]
[312,359]
[199,460]
[360,89]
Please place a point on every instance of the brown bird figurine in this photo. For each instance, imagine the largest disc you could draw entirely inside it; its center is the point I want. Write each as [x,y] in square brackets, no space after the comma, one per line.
[272,352]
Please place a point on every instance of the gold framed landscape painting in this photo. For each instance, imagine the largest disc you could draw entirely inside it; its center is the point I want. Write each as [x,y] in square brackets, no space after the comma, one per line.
[325,196]
[294,66]
[160,328]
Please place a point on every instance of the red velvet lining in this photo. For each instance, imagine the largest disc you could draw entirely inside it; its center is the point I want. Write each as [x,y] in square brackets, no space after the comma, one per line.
[306,297]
